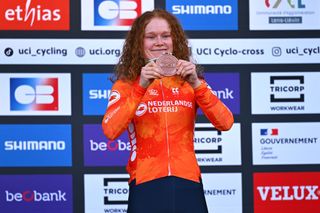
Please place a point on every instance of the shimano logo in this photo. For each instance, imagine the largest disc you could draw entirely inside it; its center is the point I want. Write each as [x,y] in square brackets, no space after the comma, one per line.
[202,9]
[34,145]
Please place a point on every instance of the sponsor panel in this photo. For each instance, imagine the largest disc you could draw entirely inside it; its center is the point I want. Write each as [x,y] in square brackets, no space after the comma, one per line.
[106,193]
[223,192]
[285,93]
[34,15]
[100,151]
[36,193]
[284,15]
[96,93]
[279,192]
[35,94]
[205,14]
[226,86]
[215,147]
[112,14]
[35,145]
[60,51]
[285,143]
[255,51]
[204,51]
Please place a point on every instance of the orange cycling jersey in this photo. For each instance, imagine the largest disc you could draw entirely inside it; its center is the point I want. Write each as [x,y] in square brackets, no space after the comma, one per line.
[160,122]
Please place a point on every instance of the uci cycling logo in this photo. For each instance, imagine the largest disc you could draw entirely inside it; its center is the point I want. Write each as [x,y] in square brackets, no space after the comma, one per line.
[292,3]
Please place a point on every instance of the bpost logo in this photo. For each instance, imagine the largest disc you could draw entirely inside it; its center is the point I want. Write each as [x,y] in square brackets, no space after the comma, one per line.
[205,14]
[106,193]
[34,15]
[113,14]
[36,193]
[99,151]
[96,92]
[34,145]
[214,147]
[291,3]
[34,94]
[287,192]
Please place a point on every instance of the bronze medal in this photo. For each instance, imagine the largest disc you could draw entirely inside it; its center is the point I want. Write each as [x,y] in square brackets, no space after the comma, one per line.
[168,64]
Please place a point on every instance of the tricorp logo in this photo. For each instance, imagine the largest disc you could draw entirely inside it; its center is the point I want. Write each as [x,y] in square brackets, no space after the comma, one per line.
[287,88]
[287,192]
[106,193]
[34,15]
[38,94]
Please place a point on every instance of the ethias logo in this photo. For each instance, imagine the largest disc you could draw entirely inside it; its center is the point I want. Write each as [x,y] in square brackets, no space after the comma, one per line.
[34,15]
[38,94]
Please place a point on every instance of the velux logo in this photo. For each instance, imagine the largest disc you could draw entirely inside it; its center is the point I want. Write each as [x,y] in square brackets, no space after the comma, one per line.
[34,15]
[289,193]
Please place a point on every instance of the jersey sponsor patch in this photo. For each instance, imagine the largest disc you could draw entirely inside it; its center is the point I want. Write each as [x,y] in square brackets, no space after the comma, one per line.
[114,97]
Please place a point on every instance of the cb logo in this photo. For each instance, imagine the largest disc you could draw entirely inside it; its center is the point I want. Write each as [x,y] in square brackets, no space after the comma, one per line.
[116,12]
[34,94]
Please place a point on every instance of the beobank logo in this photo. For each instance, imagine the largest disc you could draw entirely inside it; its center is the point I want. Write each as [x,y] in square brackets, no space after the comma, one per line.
[101,151]
[36,193]
[287,192]
[34,15]
[35,196]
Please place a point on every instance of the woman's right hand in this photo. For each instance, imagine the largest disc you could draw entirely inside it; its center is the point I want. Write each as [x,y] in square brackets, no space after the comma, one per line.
[148,73]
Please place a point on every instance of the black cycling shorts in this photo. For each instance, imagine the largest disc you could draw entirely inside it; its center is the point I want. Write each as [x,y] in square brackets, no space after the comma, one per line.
[167,195]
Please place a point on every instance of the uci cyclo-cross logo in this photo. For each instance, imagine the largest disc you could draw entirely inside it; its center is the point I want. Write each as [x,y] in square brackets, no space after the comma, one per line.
[116,13]
[34,94]
[291,3]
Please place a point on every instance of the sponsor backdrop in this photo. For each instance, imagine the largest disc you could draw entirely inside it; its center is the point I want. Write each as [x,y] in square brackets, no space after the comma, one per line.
[262,58]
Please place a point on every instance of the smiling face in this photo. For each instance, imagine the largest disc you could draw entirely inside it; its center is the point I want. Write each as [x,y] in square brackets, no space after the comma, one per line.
[157,38]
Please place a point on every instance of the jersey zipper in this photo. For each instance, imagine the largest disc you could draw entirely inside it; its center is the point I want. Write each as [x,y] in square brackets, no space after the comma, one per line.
[167,133]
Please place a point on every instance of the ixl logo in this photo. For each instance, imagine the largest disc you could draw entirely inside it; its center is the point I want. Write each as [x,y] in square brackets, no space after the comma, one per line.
[292,3]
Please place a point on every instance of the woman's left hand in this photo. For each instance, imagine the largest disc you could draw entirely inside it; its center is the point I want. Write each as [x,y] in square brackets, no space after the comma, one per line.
[187,70]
